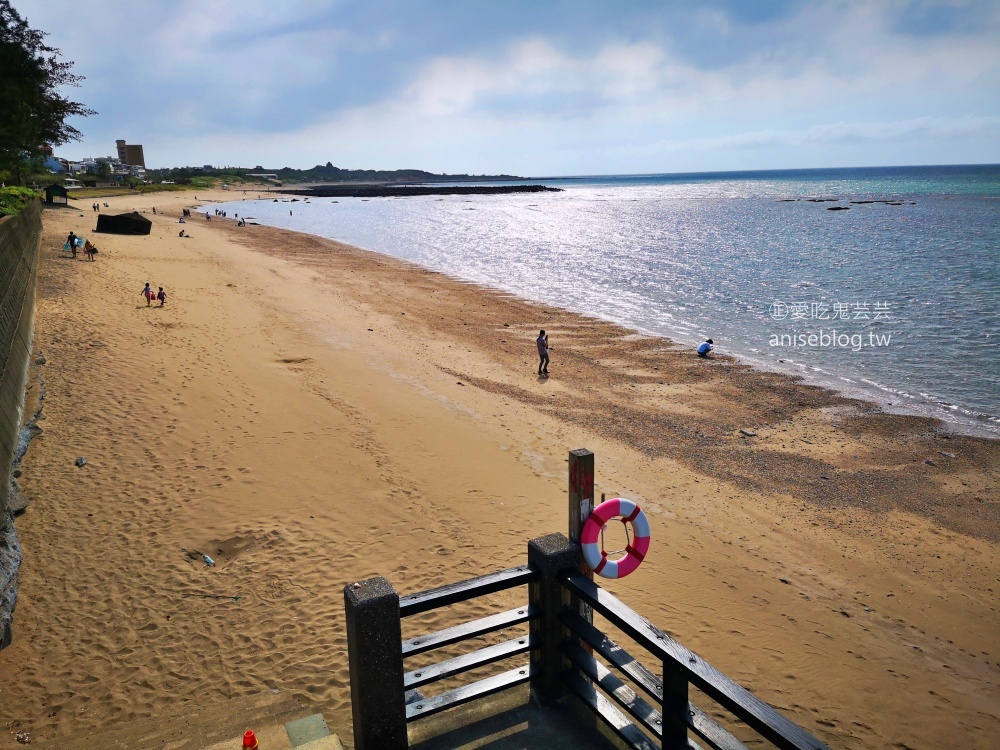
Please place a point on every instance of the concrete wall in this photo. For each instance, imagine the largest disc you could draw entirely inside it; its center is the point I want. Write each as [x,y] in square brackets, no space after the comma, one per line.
[20,239]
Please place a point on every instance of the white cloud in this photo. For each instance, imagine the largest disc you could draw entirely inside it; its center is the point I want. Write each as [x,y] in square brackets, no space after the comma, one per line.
[920,129]
[830,75]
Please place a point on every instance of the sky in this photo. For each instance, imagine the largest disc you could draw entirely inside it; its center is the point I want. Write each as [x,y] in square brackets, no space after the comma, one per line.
[533,87]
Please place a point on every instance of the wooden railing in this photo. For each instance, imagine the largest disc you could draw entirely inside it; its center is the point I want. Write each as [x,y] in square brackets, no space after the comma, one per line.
[451,594]
[679,668]
[563,647]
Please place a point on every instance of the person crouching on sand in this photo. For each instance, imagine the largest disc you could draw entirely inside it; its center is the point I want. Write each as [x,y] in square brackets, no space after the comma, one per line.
[542,342]
[147,292]
[162,296]
[705,347]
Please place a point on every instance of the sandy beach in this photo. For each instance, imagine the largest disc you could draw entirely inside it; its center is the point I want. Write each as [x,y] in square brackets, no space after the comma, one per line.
[322,414]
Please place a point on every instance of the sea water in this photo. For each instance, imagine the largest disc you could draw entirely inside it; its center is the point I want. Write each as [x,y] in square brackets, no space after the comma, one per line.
[898,304]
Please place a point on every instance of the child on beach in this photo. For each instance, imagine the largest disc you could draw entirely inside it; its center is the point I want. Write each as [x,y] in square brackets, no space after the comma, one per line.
[162,296]
[147,292]
[705,347]
[89,250]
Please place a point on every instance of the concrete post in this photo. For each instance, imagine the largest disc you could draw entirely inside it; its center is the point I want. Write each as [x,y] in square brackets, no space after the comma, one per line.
[549,555]
[375,653]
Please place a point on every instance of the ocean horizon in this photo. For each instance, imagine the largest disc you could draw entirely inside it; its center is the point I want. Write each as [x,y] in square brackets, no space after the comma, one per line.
[890,297]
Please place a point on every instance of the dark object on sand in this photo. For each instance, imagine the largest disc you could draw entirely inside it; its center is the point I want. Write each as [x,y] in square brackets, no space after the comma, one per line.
[133,223]
[81,461]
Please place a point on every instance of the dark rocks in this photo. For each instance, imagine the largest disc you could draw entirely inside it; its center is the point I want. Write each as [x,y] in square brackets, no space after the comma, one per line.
[10,563]
[81,461]
[17,501]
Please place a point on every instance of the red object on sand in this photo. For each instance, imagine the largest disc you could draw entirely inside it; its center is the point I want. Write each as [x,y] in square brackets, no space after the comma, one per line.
[250,740]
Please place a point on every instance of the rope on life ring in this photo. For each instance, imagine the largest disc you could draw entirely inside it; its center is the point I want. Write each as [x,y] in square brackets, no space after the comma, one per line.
[595,557]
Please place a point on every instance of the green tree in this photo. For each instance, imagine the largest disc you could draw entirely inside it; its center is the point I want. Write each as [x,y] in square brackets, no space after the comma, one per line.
[32,111]
[104,170]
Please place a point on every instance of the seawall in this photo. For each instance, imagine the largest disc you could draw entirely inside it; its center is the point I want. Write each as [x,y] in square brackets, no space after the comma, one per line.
[20,239]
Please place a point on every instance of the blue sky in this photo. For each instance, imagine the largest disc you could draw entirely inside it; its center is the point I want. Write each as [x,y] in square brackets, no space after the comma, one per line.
[533,87]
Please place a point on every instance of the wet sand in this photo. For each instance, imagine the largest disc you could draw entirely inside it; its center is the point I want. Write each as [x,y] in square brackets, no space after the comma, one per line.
[321,414]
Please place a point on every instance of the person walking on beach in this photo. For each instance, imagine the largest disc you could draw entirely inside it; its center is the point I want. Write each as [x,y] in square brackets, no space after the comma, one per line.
[71,241]
[705,347]
[542,342]
[162,296]
[89,250]
[147,292]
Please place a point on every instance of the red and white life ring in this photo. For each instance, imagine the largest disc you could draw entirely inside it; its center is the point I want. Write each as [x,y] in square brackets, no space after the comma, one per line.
[597,558]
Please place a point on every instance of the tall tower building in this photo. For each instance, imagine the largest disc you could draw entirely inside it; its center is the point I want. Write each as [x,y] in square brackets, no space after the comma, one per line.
[131,155]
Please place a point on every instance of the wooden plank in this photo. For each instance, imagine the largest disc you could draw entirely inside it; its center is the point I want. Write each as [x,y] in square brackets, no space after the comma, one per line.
[648,716]
[615,654]
[442,596]
[605,709]
[705,727]
[466,693]
[699,722]
[499,621]
[465,662]
[763,719]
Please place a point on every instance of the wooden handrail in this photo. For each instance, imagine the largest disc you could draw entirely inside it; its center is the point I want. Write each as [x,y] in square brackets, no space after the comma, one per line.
[451,593]
[757,714]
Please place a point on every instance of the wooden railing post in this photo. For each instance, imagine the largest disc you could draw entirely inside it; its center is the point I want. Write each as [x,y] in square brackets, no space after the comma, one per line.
[549,555]
[375,654]
[675,707]
[581,504]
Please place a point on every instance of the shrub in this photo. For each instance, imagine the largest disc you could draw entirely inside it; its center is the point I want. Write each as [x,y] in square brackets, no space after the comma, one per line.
[13,199]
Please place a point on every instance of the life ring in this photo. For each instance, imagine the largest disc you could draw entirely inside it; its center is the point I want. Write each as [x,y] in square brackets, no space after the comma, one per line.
[597,558]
